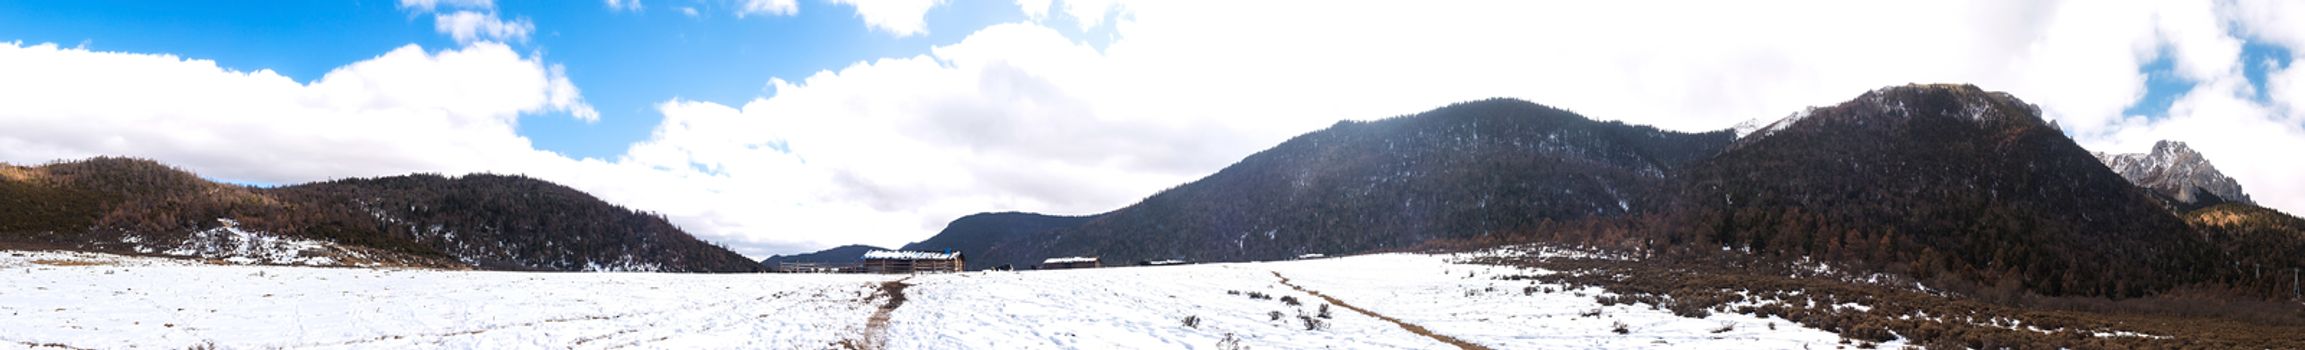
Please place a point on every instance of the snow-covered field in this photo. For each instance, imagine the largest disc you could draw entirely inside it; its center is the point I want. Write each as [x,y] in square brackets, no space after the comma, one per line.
[72,300]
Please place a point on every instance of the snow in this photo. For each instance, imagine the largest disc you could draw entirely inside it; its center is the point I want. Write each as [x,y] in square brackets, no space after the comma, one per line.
[1746,127]
[229,243]
[908,255]
[145,303]
[101,301]
[1780,125]
[1428,290]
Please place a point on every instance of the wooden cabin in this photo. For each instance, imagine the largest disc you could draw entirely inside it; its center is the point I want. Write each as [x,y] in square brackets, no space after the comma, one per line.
[1162,262]
[816,267]
[903,261]
[1071,262]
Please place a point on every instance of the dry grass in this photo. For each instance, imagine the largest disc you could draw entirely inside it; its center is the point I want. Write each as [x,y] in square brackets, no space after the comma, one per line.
[61,262]
[2218,218]
[1893,308]
[23,174]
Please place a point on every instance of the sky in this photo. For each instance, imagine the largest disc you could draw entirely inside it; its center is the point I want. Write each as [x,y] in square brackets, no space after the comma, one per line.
[784,126]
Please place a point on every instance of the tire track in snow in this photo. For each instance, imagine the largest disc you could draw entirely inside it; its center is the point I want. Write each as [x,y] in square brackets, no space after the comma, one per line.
[537,323]
[1412,328]
[876,328]
[735,310]
[32,345]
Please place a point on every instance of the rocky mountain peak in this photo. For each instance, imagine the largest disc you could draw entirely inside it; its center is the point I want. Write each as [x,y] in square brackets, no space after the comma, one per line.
[2176,170]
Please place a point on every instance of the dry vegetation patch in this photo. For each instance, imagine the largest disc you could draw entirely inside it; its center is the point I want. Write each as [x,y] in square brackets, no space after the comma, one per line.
[1874,308]
[66,262]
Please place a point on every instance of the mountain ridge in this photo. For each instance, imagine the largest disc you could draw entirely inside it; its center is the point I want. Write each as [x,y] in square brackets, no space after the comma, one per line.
[1948,183]
[1457,171]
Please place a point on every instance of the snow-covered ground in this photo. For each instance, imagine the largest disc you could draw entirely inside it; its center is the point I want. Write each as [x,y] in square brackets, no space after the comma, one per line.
[103,302]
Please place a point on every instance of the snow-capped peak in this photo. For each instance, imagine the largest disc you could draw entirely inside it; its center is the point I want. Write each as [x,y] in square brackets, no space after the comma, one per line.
[2176,170]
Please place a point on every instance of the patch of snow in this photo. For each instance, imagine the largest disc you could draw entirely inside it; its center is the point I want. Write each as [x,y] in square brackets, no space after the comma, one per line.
[230,243]
[2128,334]
[625,263]
[1780,125]
[1747,127]
[17,259]
[1854,306]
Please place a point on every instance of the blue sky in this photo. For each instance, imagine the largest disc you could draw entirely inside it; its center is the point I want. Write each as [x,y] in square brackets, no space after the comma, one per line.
[831,123]
[626,61]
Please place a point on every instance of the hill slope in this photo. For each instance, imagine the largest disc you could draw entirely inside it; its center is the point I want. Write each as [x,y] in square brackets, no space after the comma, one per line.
[486,221]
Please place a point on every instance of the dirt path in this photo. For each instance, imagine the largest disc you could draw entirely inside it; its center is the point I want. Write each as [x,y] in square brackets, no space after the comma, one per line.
[1419,330]
[876,328]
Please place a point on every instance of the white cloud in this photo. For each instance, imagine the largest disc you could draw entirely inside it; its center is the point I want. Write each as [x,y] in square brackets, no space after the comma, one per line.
[897,17]
[767,7]
[1035,9]
[1091,13]
[624,5]
[2270,20]
[469,26]
[690,11]
[407,110]
[430,5]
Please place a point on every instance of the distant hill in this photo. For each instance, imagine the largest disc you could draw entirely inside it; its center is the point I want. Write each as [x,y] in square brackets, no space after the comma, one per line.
[853,253]
[1459,171]
[984,238]
[135,206]
[1941,180]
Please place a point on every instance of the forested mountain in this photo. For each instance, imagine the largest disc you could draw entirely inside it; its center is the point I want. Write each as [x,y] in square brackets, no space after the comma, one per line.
[1458,171]
[484,221]
[2180,175]
[1941,179]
